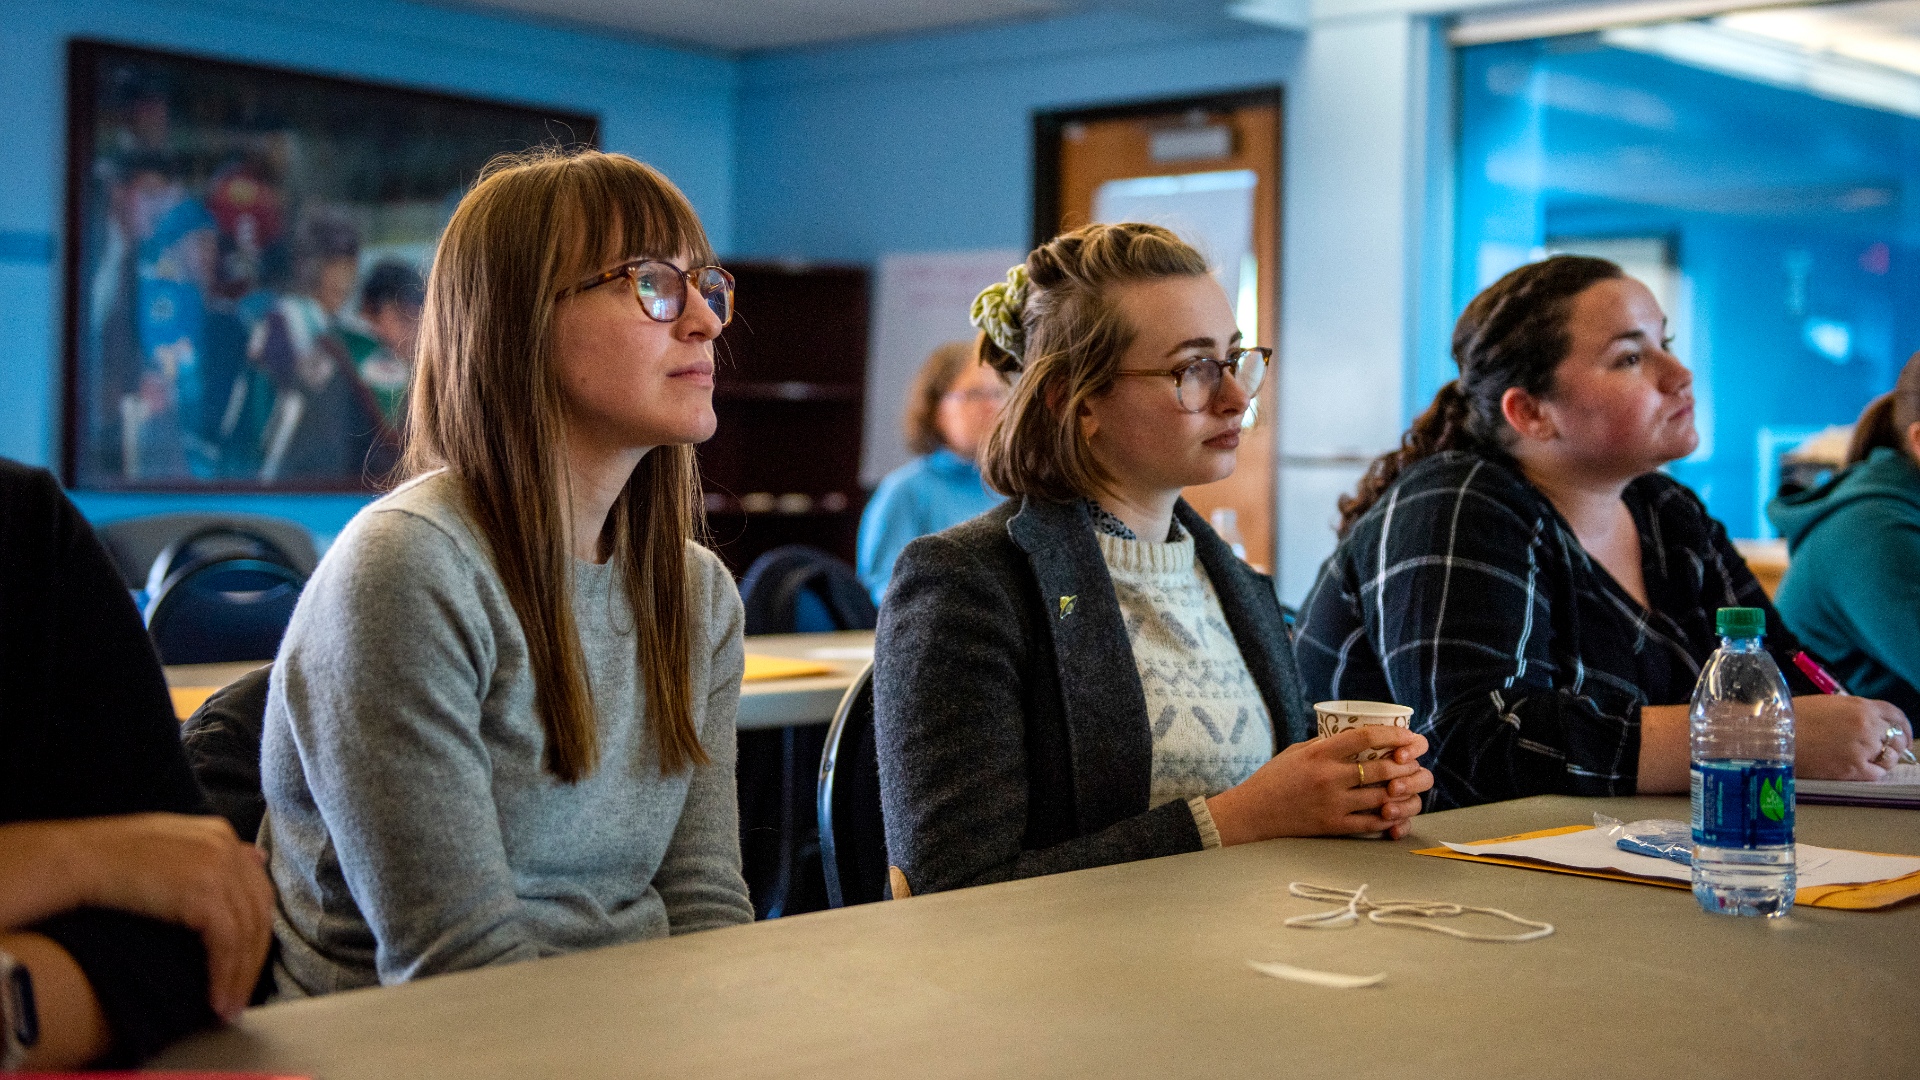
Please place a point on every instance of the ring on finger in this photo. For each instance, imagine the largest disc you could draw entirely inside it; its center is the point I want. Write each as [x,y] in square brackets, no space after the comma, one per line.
[1889,749]
[1362,766]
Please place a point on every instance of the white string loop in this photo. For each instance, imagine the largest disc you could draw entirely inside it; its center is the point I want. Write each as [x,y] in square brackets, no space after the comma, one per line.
[1414,913]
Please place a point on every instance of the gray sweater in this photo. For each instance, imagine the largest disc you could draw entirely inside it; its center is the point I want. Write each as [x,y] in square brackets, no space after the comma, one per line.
[411,828]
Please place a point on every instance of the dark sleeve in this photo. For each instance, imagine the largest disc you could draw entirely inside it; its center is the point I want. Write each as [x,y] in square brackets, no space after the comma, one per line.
[222,741]
[1330,645]
[88,726]
[1461,618]
[951,679]
[87,729]
[150,977]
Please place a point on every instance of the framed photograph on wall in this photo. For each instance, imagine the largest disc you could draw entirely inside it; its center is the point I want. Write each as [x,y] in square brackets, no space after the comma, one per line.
[246,251]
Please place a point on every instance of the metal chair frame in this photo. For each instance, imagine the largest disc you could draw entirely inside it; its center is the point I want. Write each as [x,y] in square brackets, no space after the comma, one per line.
[850,703]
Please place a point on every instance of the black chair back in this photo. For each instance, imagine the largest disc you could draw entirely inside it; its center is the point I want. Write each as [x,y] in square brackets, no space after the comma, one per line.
[221,540]
[853,838]
[801,589]
[222,740]
[137,543]
[221,609]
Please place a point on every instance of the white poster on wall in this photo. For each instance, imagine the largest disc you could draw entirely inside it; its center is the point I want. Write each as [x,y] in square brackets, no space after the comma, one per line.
[921,301]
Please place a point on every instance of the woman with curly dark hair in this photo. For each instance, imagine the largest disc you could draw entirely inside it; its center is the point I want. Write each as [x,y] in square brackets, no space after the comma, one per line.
[1524,577]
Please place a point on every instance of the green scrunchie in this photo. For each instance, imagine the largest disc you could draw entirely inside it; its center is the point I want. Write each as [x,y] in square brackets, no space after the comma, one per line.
[997,311]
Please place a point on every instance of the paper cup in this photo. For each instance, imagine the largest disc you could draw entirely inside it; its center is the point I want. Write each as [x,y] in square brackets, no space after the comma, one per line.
[1338,716]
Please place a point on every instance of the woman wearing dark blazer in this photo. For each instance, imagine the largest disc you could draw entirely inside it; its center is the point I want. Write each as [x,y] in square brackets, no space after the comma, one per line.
[1053,692]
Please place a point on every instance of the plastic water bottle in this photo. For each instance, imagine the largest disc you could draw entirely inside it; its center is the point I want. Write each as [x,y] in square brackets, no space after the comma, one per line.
[1742,735]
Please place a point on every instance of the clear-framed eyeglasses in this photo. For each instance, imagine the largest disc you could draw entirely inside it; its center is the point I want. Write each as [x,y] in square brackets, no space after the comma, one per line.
[1197,382]
[662,288]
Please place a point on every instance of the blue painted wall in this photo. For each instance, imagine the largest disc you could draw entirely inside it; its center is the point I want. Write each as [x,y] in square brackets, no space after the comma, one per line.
[672,107]
[925,143]
[845,153]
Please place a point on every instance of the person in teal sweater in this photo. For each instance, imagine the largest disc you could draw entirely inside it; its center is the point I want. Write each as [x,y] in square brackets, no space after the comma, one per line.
[1852,588]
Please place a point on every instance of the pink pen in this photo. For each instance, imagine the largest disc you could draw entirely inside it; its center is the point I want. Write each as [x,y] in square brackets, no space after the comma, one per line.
[1816,674]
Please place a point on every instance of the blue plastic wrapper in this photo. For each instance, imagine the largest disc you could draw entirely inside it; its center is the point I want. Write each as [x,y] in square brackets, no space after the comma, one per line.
[1658,837]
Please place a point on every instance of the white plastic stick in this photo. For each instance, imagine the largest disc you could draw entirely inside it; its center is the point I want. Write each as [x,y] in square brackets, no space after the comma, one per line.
[1330,979]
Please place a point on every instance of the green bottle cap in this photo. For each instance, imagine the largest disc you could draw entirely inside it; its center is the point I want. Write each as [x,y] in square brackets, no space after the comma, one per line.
[1740,622]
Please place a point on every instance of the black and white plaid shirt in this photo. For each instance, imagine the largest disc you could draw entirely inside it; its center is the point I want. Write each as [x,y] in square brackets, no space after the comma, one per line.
[1465,595]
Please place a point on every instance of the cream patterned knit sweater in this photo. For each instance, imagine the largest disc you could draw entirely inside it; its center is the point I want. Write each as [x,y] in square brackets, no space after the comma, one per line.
[1211,729]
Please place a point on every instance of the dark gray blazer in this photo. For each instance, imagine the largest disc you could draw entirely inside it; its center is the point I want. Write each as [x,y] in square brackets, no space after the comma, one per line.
[1011,727]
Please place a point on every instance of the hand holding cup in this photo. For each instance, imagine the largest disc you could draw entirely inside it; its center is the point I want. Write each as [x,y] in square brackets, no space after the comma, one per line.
[1340,716]
[1363,780]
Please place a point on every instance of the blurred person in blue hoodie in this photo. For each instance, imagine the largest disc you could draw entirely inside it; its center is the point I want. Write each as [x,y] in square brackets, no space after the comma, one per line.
[1852,588]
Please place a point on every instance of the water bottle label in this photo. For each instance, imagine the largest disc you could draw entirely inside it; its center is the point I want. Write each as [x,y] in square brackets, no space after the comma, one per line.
[1742,804]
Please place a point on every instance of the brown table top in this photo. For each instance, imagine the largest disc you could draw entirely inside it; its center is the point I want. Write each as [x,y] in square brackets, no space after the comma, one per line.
[1141,970]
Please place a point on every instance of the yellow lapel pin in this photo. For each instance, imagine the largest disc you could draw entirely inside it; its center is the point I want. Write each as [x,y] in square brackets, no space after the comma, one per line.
[1066,606]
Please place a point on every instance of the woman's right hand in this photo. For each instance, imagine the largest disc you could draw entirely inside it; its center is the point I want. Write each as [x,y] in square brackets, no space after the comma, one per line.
[1840,737]
[1313,789]
[188,870]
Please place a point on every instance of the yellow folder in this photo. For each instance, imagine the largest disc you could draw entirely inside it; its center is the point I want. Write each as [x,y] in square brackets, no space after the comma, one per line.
[188,698]
[1871,896]
[779,667]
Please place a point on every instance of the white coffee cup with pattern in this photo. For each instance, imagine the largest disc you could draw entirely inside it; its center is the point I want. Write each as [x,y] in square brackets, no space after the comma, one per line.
[1338,716]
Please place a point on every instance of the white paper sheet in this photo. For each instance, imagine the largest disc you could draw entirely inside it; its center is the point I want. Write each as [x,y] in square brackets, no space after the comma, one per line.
[920,300]
[1591,849]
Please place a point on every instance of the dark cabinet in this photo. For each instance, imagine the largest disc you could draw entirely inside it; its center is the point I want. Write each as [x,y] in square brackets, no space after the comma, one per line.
[790,390]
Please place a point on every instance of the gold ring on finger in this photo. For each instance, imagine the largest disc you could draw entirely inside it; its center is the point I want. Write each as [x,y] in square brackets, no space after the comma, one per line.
[1362,766]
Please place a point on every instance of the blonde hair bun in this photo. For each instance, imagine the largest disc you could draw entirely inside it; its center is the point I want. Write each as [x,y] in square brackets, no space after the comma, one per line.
[997,312]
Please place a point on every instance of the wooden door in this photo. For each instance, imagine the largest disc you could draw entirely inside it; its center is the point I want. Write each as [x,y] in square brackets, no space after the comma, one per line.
[1078,152]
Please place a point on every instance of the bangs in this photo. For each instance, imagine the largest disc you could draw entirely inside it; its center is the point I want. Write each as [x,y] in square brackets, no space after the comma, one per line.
[621,209]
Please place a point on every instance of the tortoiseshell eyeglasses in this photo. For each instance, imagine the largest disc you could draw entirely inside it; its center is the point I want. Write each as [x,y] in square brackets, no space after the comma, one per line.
[662,288]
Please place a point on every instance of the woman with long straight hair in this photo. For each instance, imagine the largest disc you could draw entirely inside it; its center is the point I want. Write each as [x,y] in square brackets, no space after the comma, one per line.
[1086,674]
[1852,589]
[501,723]
[1524,577]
